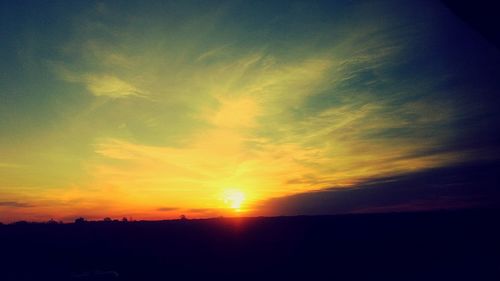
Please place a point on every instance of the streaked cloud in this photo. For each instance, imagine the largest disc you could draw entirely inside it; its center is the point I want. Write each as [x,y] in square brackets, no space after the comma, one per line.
[463,185]
[111,86]
[98,84]
[167,209]
[15,204]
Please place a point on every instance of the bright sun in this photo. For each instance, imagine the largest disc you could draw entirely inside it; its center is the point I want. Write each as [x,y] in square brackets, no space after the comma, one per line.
[234,199]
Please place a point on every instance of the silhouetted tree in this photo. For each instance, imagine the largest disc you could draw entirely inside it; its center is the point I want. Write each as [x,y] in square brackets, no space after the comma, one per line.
[80,220]
[20,223]
[124,219]
[52,221]
[107,219]
[183,217]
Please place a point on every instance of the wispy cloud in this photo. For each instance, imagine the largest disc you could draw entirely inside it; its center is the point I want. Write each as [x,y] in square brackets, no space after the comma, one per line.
[15,204]
[167,209]
[462,185]
[111,86]
[98,84]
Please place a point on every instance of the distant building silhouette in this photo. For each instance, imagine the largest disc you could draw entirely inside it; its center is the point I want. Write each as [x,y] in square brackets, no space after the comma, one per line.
[80,220]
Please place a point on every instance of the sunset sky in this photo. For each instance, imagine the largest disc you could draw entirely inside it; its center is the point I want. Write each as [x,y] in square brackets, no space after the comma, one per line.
[155,109]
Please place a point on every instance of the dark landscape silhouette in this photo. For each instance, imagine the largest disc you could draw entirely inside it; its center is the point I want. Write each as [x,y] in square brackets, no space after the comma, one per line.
[439,245]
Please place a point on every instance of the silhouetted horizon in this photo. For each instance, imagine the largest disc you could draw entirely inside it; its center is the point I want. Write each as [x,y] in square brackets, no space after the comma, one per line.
[354,214]
[438,245]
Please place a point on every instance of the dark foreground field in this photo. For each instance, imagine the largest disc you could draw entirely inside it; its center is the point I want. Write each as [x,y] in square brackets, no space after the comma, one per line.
[456,245]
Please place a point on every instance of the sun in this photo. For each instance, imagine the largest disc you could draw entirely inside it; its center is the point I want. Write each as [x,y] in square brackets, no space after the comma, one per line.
[234,199]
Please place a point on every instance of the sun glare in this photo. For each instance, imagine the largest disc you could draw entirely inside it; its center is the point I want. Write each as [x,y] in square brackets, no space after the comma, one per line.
[234,199]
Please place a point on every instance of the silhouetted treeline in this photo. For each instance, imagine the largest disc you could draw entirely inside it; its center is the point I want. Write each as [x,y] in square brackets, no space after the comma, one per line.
[76,221]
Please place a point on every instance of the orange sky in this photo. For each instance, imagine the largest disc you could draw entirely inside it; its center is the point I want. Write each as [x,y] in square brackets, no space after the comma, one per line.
[151,111]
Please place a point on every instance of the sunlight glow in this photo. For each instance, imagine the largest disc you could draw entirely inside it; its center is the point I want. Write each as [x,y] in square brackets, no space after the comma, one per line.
[234,199]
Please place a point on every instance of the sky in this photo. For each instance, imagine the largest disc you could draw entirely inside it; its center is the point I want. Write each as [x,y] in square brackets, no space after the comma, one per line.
[153,109]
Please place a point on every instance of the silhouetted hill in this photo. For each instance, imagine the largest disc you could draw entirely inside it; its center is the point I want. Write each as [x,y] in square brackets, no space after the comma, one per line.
[445,245]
